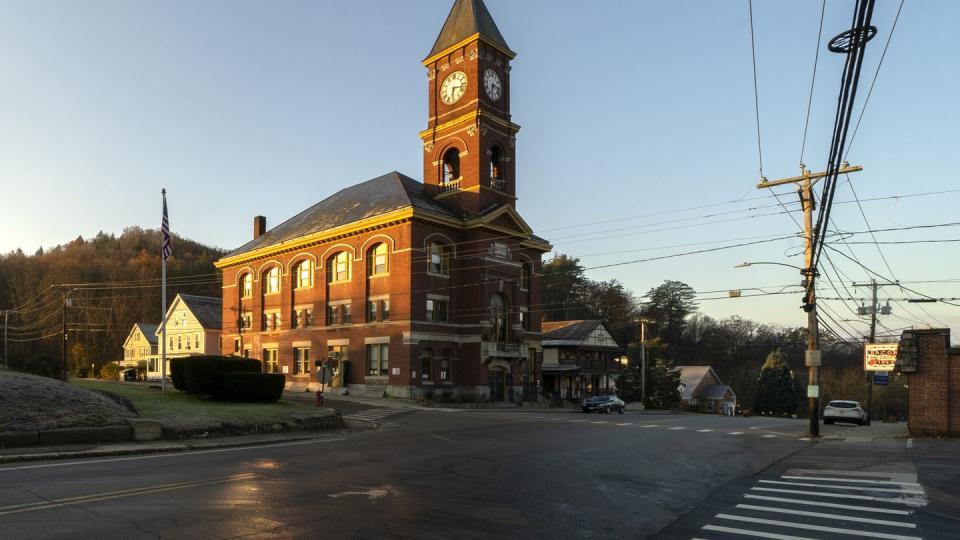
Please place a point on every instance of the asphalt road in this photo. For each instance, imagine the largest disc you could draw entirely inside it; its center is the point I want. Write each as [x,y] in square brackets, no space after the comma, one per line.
[424,474]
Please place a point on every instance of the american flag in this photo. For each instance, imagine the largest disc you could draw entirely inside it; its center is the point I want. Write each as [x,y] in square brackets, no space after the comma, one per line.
[167,249]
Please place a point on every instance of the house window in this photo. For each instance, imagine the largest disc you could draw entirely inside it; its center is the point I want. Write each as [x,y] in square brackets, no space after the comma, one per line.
[451,166]
[188,343]
[171,343]
[525,277]
[426,365]
[179,342]
[524,319]
[495,164]
[304,275]
[270,361]
[196,341]
[439,259]
[246,321]
[301,360]
[236,346]
[302,318]
[338,268]
[271,281]
[377,259]
[247,287]
[377,359]
[445,362]
[337,352]
[498,317]
[437,310]
[271,321]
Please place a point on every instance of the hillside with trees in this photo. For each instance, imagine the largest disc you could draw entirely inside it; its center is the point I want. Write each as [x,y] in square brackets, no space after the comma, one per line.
[109,282]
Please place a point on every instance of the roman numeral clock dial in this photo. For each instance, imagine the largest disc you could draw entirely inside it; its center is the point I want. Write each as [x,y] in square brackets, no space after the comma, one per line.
[453,87]
[491,84]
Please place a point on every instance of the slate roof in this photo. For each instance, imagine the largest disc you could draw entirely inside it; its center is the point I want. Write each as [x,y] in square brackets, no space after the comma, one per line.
[207,310]
[716,391]
[466,18]
[691,376]
[569,330]
[148,330]
[392,191]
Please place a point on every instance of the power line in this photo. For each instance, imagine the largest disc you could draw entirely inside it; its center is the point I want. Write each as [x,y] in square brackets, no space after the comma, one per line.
[816,58]
[756,93]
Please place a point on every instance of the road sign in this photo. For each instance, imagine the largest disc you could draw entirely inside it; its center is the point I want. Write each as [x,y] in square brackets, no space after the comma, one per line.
[881,378]
[880,356]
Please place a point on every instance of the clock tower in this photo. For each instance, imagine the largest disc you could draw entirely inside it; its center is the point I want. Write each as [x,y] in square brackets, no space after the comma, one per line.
[469,143]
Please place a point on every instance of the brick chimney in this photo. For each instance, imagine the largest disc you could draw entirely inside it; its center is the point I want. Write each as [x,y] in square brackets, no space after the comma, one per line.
[259,226]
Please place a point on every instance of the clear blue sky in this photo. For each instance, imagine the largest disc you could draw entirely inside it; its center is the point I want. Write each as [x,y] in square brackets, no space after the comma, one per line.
[628,109]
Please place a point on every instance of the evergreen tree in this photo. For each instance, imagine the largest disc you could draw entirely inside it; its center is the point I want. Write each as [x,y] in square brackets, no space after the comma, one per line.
[777,393]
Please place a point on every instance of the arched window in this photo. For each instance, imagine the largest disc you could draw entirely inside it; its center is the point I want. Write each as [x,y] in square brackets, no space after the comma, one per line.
[303,274]
[271,280]
[451,165]
[338,267]
[495,158]
[438,259]
[377,260]
[525,277]
[246,290]
[498,317]
[426,365]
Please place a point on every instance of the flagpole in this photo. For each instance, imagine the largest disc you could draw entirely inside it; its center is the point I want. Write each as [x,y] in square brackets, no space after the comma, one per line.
[163,299]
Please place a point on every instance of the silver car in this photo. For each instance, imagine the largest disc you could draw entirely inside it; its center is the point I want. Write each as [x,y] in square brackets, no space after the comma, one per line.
[845,411]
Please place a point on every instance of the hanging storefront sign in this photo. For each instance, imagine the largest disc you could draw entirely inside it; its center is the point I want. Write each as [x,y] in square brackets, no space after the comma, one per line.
[879,356]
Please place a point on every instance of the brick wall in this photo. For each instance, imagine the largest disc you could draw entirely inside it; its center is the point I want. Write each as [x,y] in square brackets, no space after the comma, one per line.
[934,389]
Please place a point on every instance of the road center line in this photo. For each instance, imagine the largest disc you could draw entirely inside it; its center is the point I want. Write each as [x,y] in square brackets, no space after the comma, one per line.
[179,453]
[677,427]
[651,425]
[840,517]
[600,422]
[807,526]
[704,430]
[625,424]
[829,505]
[57,503]
[735,433]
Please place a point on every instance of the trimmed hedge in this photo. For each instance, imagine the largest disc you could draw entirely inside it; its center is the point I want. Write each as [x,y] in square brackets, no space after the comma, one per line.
[249,387]
[178,374]
[204,374]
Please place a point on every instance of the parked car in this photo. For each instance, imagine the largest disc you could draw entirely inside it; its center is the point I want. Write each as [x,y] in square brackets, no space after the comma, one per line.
[845,411]
[604,404]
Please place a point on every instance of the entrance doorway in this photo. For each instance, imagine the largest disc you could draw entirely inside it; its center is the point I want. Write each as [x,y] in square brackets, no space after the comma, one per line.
[498,382]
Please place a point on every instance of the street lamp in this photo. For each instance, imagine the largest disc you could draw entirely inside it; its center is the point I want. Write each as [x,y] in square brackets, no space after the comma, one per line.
[746,264]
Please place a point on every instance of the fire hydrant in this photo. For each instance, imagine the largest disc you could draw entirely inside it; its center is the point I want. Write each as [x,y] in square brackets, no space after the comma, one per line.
[319,398]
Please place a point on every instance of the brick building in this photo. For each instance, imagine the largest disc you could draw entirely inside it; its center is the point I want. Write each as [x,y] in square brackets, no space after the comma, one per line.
[409,288]
[932,368]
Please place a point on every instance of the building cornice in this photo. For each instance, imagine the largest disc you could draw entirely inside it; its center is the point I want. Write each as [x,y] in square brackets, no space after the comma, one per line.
[463,43]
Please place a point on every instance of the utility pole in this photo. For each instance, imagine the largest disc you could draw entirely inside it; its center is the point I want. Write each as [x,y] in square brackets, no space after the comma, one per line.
[643,363]
[63,341]
[873,309]
[813,357]
[6,324]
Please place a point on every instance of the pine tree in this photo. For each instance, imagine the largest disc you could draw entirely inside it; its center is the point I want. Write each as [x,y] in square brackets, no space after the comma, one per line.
[777,393]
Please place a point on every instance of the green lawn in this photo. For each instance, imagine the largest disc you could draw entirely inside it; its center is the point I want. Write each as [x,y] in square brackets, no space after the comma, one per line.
[181,408]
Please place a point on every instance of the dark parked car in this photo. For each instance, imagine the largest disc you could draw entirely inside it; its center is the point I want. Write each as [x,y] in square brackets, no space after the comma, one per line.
[604,404]
[845,411]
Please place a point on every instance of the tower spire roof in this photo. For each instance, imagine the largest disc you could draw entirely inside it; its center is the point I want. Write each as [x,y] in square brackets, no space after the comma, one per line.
[467,18]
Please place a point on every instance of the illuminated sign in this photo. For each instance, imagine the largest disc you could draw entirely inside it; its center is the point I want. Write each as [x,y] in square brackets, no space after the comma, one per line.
[879,356]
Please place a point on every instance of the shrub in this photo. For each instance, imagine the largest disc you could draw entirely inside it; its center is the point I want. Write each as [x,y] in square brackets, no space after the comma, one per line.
[204,374]
[110,372]
[178,373]
[253,387]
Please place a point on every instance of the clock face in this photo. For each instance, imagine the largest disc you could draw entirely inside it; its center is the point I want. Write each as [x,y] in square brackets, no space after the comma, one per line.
[453,87]
[491,84]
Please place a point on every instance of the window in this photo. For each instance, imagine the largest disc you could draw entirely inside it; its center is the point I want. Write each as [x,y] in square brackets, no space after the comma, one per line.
[171,343]
[426,365]
[301,360]
[445,361]
[196,341]
[302,318]
[498,317]
[378,310]
[271,281]
[524,320]
[338,314]
[236,346]
[451,166]
[270,361]
[271,321]
[247,285]
[437,310]
[500,250]
[338,268]
[246,320]
[439,259]
[495,163]
[304,275]
[377,359]
[337,352]
[179,342]
[188,343]
[525,277]
[377,259]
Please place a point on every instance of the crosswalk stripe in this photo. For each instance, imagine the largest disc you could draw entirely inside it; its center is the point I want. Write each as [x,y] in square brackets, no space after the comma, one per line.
[829,505]
[757,534]
[807,526]
[850,480]
[827,516]
[853,488]
[894,500]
